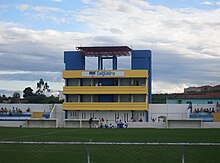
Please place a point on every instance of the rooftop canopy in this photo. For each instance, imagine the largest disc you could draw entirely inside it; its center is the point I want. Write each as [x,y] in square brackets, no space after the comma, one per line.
[105,51]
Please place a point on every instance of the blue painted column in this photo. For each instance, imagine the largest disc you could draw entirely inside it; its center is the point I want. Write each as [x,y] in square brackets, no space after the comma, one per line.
[115,66]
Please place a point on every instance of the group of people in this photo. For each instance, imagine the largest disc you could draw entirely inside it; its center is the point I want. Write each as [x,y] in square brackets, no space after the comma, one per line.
[206,110]
[105,124]
[13,111]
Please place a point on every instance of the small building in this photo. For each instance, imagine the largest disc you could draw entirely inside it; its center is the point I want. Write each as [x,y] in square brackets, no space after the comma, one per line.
[195,98]
[107,94]
[204,88]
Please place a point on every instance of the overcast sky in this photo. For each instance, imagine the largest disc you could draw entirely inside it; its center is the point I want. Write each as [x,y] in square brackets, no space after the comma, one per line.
[184,36]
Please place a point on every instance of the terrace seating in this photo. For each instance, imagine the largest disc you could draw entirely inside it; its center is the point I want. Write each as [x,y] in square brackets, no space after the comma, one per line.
[14,117]
[205,117]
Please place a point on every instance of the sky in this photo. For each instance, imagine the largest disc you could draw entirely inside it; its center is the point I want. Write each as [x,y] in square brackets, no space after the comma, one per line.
[183,36]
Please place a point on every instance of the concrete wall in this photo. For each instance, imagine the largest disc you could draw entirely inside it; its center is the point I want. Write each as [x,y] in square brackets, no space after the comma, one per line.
[147,125]
[188,123]
[12,123]
[170,111]
[41,123]
[210,124]
[59,114]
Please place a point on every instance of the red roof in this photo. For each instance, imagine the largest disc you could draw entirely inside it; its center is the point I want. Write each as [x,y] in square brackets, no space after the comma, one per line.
[105,51]
[196,95]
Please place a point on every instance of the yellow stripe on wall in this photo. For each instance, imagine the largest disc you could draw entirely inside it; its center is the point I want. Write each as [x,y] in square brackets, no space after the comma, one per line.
[103,106]
[127,74]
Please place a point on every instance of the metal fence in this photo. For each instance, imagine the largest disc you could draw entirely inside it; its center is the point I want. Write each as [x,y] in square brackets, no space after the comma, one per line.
[20,151]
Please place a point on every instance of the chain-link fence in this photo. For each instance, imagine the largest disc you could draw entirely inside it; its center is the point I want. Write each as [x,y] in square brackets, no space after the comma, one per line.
[105,152]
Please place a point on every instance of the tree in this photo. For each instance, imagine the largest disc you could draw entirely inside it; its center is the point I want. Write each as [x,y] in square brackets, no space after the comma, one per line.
[42,87]
[28,92]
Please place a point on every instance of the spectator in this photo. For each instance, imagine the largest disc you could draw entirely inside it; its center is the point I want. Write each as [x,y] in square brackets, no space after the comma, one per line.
[217,106]
[125,125]
[28,110]
[111,126]
[190,107]
[106,124]
[90,122]
[140,120]
[117,120]
[213,110]
[120,124]
[10,112]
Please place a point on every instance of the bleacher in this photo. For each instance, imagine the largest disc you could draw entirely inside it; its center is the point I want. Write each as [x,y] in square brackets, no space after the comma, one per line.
[14,117]
[205,117]
[24,116]
[22,112]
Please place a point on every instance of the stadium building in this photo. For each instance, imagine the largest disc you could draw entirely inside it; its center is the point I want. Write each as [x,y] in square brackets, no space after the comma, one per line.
[107,94]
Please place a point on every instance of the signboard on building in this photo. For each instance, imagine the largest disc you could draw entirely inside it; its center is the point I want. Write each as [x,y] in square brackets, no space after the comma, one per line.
[102,73]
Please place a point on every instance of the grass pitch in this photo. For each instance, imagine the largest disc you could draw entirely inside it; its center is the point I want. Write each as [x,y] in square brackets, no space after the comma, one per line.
[108,153]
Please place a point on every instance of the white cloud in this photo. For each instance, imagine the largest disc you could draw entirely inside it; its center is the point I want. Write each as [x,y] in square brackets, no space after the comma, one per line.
[185,42]
[22,7]
[53,14]
[211,3]
[44,9]
[86,1]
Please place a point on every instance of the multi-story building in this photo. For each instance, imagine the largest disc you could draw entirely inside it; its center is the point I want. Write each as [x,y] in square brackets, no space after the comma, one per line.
[109,94]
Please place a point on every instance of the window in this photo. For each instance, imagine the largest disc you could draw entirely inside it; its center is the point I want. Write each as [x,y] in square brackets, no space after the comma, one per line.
[179,101]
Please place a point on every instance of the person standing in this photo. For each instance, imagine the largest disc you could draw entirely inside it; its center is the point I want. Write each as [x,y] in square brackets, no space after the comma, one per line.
[90,122]
[190,107]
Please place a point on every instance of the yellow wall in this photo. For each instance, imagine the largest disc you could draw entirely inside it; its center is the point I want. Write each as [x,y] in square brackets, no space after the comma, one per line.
[142,106]
[217,117]
[128,74]
[105,106]
[105,90]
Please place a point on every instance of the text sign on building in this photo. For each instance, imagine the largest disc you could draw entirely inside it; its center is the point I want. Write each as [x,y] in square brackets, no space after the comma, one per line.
[102,73]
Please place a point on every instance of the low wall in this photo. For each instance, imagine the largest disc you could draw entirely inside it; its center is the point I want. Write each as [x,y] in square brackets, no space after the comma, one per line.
[41,123]
[189,123]
[210,124]
[80,123]
[146,124]
[13,123]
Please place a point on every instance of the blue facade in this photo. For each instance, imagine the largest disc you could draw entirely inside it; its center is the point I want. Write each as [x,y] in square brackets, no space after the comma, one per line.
[74,60]
[141,60]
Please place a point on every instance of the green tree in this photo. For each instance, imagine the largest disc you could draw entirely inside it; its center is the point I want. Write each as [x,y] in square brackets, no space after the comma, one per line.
[42,87]
[28,92]
[37,98]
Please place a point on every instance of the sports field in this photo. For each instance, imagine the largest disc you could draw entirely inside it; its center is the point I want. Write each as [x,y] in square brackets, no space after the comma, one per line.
[109,152]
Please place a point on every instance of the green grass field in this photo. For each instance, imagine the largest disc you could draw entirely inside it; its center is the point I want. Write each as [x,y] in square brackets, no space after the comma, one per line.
[108,153]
